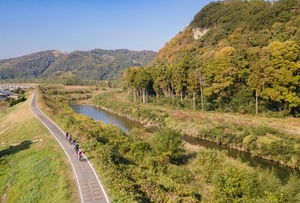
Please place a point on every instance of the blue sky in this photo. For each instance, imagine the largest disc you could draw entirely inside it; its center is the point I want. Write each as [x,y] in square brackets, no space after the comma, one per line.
[68,25]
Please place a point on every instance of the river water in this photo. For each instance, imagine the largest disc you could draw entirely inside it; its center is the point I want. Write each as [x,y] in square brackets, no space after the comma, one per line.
[126,124]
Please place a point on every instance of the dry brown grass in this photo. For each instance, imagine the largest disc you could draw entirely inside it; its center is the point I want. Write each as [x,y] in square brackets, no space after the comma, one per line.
[191,147]
[288,125]
[3,106]
[20,113]
[75,87]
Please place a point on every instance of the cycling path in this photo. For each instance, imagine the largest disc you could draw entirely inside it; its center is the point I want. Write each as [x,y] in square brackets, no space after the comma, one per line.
[89,186]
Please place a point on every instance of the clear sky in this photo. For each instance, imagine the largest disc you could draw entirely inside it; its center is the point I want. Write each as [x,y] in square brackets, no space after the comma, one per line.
[29,26]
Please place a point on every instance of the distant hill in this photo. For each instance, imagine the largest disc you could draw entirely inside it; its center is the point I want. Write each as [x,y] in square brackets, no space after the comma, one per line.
[96,64]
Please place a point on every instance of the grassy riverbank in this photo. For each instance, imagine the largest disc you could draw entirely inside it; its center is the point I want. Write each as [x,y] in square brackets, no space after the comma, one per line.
[33,167]
[142,167]
[270,138]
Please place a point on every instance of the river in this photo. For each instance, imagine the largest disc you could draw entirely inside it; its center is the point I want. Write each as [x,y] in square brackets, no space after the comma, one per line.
[126,124]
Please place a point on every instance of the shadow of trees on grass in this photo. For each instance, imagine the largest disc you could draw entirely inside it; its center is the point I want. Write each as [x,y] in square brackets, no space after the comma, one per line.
[15,149]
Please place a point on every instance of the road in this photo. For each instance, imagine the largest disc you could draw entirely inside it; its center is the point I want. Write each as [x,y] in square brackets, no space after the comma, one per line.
[89,187]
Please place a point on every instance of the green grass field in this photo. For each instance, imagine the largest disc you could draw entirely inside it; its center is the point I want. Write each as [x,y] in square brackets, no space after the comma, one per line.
[33,167]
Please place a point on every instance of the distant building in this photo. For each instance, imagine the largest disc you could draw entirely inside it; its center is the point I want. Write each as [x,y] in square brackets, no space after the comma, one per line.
[4,94]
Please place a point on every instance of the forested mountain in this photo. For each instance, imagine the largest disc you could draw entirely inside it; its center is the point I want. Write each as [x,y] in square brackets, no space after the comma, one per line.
[96,64]
[235,56]
[32,65]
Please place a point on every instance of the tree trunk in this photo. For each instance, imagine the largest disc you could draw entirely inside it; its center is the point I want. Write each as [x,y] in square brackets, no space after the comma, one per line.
[172,90]
[144,95]
[194,100]
[134,95]
[279,109]
[201,90]
[256,102]
[128,89]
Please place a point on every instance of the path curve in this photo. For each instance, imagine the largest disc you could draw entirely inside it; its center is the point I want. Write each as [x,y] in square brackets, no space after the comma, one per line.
[89,187]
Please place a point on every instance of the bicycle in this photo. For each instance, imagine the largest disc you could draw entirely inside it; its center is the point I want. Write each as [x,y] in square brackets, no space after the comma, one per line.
[79,155]
[71,140]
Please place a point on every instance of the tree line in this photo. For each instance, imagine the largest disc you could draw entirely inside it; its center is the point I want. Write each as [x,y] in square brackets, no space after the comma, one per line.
[235,67]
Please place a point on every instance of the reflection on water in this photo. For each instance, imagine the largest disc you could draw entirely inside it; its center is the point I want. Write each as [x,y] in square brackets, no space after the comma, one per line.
[106,117]
[126,124]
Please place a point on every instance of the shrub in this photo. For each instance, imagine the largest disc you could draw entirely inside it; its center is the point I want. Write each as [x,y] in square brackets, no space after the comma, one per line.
[167,142]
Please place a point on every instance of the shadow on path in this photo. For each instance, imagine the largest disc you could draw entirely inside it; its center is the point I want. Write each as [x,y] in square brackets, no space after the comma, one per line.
[15,149]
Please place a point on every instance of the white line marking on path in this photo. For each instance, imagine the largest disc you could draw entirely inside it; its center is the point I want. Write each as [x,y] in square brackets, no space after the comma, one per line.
[77,181]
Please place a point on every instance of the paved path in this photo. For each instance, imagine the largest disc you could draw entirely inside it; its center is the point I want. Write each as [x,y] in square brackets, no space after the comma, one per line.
[89,186]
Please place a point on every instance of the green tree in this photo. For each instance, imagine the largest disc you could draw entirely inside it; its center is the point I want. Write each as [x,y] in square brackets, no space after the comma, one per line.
[129,77]
[261,71]
[285,87]
[221,72]
[142,81]
[168,144]
[179,77]
[193,85]
[162,80]
[196,82]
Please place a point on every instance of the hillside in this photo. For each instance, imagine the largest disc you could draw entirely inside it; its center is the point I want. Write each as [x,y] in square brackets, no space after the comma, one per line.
[235,56]
[96,64]
[32,65]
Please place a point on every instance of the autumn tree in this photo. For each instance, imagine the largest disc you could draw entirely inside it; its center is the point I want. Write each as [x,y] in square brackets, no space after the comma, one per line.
[261,71]
[221,73]
[179,77]
[285,86]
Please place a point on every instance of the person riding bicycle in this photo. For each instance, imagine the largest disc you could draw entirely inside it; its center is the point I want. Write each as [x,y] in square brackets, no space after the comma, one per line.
[76,147]
[67,135]
[79,154]
[70,140]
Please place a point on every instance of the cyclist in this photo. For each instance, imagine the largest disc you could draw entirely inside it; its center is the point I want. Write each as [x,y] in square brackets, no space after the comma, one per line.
[70,140]
[76,147]
[79,155]
[67,135]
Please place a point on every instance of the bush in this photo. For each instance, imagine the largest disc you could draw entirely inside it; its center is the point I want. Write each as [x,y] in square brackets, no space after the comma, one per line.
[14,102]
[168,144]
[230,183]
